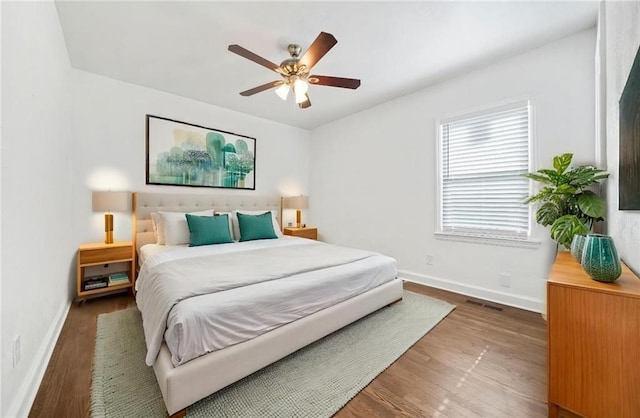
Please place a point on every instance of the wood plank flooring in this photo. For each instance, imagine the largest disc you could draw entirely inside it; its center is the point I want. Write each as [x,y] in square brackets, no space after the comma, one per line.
[478,362]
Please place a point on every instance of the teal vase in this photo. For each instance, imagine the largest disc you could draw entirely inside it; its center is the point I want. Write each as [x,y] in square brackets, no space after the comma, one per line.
[577,246]
[600,258]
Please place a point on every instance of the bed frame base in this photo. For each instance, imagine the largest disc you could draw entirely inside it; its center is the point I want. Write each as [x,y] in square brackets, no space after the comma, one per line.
[180,414]
[186,384]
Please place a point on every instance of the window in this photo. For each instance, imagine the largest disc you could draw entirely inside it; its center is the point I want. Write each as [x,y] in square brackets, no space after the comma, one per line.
[483,157]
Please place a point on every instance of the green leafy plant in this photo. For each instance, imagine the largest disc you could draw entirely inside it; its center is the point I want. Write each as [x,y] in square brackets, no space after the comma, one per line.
[567,204]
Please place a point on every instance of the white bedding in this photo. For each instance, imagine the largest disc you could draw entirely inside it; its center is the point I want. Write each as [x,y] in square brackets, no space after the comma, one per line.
[149,250]
[210,322]
[173,252]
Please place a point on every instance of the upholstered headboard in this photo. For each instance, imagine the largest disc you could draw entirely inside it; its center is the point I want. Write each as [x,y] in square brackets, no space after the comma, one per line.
[146,203]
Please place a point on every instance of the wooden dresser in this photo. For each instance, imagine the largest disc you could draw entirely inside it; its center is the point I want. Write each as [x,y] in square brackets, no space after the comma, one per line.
[594,343]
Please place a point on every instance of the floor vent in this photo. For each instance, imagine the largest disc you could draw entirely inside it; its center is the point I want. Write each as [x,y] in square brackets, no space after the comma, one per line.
[484,305]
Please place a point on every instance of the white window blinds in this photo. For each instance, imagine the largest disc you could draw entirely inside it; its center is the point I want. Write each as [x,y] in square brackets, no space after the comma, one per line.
[483,158]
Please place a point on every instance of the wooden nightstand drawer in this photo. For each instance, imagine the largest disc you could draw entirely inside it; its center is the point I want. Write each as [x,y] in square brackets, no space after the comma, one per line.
[104,255]
[307,232]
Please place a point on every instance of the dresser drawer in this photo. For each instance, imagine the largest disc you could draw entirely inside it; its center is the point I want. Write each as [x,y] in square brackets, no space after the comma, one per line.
[563,413]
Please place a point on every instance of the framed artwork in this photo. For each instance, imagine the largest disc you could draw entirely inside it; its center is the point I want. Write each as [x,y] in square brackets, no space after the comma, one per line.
[629,153]
[185,154]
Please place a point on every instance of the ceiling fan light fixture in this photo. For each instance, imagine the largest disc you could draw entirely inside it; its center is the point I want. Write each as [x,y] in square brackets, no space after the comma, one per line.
[283,91]
[300,89]
[300,97]
[300,86]
[296,71]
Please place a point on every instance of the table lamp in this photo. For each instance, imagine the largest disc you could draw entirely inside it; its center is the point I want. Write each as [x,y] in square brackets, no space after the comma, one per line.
[108,202]
[297,203]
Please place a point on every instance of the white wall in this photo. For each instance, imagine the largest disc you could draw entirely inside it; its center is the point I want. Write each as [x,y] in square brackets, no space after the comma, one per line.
[373,174]
[1,118]
[622,26]
[37,244]
[109,147]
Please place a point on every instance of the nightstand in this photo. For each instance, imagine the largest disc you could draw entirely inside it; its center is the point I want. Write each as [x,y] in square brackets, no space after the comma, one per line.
[304,232]
[91,281]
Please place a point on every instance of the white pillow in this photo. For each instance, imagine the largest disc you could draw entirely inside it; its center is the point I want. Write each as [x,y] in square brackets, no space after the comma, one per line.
[158,231]
[174,227]
[236,226]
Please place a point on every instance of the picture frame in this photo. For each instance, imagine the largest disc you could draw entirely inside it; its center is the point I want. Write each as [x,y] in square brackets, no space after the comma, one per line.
[185,154]
[629,151]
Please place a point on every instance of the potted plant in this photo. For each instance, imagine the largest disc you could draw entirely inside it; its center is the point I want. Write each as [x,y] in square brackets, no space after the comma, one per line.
[567,204]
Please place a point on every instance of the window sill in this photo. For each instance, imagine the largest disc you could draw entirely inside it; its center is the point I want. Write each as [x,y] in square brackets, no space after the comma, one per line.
[488,240]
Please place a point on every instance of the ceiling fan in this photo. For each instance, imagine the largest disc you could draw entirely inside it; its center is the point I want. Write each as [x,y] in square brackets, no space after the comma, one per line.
[295,71]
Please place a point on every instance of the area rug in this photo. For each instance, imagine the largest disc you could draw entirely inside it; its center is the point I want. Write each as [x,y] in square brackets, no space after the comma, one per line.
[315,381]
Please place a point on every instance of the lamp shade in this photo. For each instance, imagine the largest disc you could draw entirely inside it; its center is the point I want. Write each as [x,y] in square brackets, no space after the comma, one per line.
[300,86]
[297,202]
[110,201]
[283,91]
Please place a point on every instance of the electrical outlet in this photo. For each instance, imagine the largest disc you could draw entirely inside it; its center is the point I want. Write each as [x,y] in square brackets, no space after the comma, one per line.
[429,259]
[505,280]
[16,350]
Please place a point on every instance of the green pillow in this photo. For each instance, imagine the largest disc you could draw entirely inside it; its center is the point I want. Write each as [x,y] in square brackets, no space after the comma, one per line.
[205,230]
[254,227]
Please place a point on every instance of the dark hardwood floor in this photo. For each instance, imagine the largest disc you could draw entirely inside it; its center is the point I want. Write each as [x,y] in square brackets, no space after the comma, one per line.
[478,362]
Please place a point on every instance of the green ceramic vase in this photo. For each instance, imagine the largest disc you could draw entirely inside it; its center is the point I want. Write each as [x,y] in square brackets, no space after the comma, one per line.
[577,246]
[600,258]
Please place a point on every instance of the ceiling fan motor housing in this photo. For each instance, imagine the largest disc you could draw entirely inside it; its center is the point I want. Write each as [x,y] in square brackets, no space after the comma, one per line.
[291,66]
[294,50]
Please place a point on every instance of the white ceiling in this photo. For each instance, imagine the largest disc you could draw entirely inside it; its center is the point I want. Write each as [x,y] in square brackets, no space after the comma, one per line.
[395,48]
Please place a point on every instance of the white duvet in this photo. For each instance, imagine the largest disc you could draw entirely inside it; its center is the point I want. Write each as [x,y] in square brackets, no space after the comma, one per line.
[249,298]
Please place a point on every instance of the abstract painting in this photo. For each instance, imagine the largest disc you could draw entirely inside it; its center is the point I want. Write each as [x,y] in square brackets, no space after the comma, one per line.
[629,153]
[184,154]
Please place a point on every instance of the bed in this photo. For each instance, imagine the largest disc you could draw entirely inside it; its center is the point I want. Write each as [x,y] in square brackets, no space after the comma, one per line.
[186,376]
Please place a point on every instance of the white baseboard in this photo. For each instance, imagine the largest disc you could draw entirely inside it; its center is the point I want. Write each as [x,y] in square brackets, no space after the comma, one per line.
[23,400]
[517,301]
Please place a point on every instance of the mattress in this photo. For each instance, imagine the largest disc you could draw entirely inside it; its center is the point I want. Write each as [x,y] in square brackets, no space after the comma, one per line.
[149,250]
[206,323]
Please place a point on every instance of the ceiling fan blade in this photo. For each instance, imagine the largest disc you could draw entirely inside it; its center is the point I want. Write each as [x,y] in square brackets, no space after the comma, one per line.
[306,103]
[322,44]
[245,53]
[263,87]
[325,80]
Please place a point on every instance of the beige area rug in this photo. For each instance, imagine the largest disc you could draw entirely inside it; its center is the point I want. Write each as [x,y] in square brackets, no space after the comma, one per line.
[315,381]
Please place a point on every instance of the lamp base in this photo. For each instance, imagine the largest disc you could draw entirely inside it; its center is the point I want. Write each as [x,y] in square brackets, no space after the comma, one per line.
[298,218]
[108,228]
